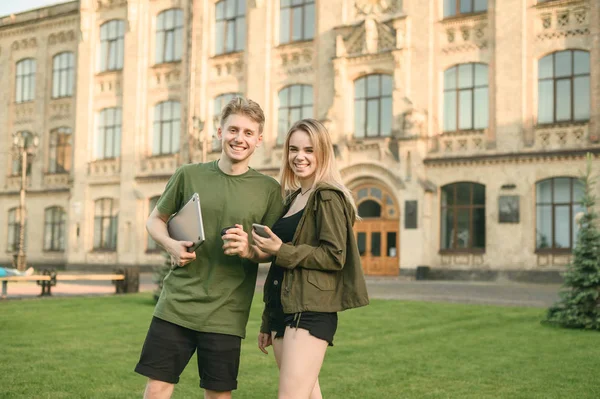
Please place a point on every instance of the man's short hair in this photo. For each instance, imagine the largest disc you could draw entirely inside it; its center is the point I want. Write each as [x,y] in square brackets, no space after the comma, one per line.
[246,107]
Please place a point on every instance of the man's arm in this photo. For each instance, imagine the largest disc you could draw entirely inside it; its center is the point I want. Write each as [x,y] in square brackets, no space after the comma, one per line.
[157,228]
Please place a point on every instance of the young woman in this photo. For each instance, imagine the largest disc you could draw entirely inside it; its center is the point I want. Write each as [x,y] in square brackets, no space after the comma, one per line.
[316,270]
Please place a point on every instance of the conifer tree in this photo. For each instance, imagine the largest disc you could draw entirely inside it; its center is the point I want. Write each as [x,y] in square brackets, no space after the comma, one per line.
[579,304]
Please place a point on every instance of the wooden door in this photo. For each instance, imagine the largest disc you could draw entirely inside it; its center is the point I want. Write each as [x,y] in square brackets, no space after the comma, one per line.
[378,246]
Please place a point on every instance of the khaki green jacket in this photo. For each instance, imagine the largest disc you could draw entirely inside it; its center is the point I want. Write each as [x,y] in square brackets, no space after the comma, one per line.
[323,270]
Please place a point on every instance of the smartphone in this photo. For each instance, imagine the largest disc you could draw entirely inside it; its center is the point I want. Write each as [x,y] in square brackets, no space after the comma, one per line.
[260,230]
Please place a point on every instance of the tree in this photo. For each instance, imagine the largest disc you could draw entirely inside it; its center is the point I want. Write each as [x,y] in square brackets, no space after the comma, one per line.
[579,304]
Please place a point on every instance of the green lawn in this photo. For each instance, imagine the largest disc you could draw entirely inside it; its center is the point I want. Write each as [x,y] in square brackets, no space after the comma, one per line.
[87,348]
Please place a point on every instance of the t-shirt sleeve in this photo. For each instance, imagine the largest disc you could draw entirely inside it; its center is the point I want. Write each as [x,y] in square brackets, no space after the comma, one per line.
[171,199]
[274,208]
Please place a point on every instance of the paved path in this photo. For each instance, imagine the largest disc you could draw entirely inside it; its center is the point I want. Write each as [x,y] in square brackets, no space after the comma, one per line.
[505,294]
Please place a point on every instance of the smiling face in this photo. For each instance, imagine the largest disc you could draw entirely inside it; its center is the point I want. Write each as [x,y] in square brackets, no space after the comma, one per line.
[239,137]
[301,156]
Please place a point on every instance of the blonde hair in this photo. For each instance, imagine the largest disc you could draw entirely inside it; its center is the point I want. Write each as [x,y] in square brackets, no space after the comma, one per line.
[326,170]
[246,107]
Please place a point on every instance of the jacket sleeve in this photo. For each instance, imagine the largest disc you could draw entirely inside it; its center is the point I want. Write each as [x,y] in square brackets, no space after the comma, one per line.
[332,234]
[264,325]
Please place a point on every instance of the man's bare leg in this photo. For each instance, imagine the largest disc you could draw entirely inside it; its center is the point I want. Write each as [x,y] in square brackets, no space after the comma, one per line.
[158,389]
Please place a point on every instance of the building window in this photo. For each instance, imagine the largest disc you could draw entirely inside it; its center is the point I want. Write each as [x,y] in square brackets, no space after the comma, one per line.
[167,122]
[17,165]
[151,245]
[466,97]
[230,26]
[108,135]
[219,103]
[14,229]
[25,80]
[61,147]
[112,37]
[460,7]
[54,229]
[169,36]
[558,200]
[373,106]
[463,217]
[63,72]
[564,87]
[297,20]
[295,103]
[106,217]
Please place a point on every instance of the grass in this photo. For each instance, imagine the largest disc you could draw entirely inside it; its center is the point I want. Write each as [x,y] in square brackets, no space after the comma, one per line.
[87,348]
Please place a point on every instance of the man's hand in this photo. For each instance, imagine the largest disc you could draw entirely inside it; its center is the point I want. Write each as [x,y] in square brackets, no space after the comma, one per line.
[236,242]
[179,254]
[264,341]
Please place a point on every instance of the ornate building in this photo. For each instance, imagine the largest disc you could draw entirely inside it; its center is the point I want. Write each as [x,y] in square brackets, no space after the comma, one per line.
[460,125]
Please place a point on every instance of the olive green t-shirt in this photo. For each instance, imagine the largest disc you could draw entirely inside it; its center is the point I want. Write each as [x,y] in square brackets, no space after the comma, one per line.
[214,292]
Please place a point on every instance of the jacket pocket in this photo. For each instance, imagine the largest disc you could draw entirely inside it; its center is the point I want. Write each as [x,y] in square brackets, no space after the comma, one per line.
[325,281]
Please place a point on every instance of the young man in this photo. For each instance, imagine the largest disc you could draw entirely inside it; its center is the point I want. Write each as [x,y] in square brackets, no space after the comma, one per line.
[205,300]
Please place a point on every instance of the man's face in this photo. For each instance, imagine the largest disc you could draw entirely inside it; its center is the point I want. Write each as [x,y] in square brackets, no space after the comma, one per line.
[239,137]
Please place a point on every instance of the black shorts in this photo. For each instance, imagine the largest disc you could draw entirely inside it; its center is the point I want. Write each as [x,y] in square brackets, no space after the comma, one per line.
[169,347]
[319,324]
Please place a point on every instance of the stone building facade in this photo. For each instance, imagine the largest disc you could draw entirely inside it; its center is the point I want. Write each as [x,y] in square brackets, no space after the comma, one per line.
[460,125]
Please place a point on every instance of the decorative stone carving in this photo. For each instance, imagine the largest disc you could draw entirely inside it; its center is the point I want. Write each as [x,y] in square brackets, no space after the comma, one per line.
[108,4]
[166,75]
[24,44]
[560,20]
[60,109]
[465,34]
[109,83]
[228,65]
[56,180]
[414,123]
[377,7]
[369,37]
[561,137]
[160,165]
[372,170]
[295,59]
[61,37]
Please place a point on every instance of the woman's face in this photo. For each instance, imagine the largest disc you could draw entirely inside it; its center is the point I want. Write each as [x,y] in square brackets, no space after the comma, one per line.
[301,156]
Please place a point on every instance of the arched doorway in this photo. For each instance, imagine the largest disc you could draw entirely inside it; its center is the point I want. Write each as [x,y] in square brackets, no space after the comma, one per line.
[377,233]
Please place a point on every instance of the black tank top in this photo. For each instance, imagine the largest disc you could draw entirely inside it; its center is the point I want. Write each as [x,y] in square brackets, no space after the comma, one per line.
[284,228]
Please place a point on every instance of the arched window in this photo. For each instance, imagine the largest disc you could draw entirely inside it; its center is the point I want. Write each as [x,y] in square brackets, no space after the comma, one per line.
[463,217]
[112,38]
[60,150]
[14,230]
[63,75]
[151,245]
[219,103]
[230,26]
[106,218]
[17,165]
[297,20]
[108,135]
[25,80]
[564,87]
[558,200]
[167,128]
[461,7]
[373,106]
[54,229]
[169,36]
[466,97]
[295,103]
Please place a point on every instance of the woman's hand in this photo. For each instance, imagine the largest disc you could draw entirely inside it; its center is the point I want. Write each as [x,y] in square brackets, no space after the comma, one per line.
[264,341]
[269,245]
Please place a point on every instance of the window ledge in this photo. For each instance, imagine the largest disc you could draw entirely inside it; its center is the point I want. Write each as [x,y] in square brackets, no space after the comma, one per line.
[554,251]
[554,3]
[463,132]
[472,251]
[231,54]
[53,251]
[301,42]
[61,97]
[24,102]
[109,72]
[561,124]
[103,250]
[464,17]
[166,64]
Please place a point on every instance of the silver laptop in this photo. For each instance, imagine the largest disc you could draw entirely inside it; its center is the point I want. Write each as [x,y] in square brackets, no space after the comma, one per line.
[186,225]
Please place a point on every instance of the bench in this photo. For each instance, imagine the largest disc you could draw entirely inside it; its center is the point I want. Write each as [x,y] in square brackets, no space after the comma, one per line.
[126,280]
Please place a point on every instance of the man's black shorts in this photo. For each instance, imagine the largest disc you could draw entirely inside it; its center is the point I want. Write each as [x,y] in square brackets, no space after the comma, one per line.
[169,347]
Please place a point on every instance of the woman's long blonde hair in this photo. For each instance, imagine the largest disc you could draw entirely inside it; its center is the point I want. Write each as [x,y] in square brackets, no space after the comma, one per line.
[326,171]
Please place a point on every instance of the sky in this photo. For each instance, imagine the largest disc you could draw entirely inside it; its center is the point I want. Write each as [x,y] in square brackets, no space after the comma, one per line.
[8,7]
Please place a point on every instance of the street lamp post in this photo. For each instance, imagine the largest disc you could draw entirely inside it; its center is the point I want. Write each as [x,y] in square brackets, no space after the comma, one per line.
[25,145]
